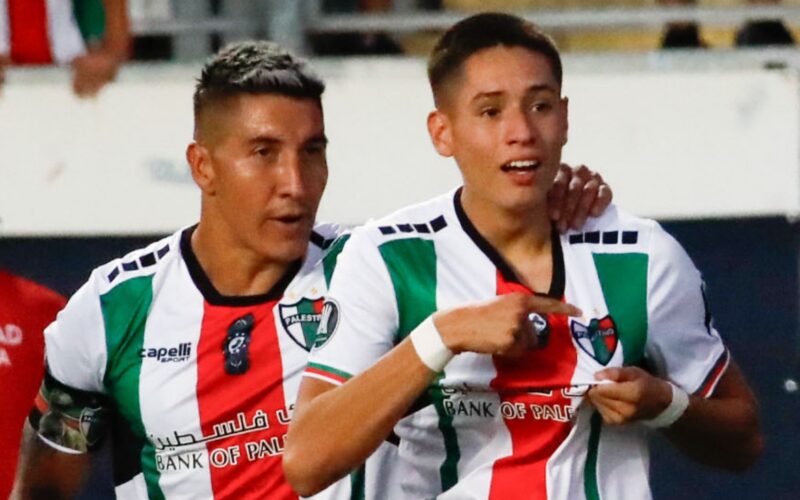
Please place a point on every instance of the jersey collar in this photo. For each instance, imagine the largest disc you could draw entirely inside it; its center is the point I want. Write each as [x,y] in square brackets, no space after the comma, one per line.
[212,296]
[558,280]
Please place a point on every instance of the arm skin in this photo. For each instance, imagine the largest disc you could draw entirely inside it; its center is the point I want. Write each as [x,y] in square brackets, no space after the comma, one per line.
[721,431]
[99,65]
[366,407]
[46,473]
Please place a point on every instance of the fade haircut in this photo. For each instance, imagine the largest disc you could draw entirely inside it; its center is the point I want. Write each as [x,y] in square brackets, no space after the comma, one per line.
[484,31]
[255,67]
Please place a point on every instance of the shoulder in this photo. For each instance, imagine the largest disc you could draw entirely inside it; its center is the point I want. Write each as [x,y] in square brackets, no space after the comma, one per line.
[423,220]
[618,231]
[140,263]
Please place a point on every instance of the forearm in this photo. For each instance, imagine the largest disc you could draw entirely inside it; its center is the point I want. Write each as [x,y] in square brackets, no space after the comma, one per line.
[46,473]
[721,431]
[117,31]
[334,432]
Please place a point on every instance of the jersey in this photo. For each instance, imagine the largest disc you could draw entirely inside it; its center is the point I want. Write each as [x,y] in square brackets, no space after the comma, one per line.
[26,308]
[39,31]
[493,427]
[197,388]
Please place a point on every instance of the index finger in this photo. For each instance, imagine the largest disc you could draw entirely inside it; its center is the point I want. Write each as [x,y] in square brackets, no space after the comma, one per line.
[547,305]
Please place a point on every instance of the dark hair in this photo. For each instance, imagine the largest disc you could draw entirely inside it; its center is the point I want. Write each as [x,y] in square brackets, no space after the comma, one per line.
[255,67]
[483,31]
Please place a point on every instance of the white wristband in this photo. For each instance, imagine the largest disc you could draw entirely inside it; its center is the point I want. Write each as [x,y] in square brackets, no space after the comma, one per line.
[429,346]
[676,408]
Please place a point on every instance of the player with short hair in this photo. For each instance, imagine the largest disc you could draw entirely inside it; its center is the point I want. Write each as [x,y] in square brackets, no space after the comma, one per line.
[190,351]
[511,361]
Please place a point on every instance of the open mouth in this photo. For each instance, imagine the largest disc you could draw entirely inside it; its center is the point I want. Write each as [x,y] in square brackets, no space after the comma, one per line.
[520,166]
[289,219]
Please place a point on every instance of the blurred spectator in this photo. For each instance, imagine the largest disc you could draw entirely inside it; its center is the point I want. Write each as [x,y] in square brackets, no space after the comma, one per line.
[26,308]
[763,32]
[681,35]
[339,44]
[92,36]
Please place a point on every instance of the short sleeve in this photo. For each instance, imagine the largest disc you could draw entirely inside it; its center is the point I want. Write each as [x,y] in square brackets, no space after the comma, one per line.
[359,318]
[71,410]
[682,343]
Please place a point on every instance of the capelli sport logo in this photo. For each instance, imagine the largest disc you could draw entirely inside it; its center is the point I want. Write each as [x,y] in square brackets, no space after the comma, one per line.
[168,354]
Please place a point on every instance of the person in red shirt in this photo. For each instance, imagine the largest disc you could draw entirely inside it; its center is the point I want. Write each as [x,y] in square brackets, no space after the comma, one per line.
[26,308]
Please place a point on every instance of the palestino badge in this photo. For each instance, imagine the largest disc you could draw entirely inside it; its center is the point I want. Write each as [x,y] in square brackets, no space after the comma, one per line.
[301,320]
[598,339]
[237,345]
[328,323]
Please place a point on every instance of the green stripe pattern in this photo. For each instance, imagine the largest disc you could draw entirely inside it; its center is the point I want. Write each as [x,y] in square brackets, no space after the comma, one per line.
[125,309]
[332,371]
[357,480]
[623,279]
[332,255]
[590,484]
[412,267]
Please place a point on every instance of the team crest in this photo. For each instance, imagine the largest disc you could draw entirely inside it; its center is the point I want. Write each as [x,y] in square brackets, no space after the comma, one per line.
[301,321]
[598,339]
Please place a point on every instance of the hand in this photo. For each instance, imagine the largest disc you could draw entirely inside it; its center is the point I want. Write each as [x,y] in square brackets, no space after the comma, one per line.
[499,326]
[634,395]
[93,70]
[576,194]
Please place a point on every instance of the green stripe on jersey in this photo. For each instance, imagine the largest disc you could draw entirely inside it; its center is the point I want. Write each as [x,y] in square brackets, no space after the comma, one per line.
[357,480]
[412,267]
[623,278]
[330,258]
[125,309]
[590,486]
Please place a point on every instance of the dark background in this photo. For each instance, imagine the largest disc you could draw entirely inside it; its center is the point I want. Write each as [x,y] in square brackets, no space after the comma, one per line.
[751,272]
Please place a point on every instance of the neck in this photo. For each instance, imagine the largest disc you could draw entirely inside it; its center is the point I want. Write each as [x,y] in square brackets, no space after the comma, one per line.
[232,269]
[522,237]
[506,229]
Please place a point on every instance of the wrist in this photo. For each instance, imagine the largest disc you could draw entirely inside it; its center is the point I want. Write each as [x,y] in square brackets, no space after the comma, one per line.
[446,324]
[678,403]
[429,346]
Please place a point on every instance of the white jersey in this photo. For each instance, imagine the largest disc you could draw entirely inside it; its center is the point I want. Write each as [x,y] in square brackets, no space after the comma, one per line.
[197,388]
[493,427]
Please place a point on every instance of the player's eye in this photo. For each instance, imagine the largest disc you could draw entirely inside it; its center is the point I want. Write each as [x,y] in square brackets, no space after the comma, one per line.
[490,112]
[541,106]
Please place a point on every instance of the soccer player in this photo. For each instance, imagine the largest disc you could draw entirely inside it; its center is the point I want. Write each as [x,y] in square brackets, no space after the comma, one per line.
[190,351]
[26,308]
[511,361]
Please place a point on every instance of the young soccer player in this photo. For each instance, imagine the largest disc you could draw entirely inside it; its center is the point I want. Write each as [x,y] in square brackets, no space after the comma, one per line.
[511,361]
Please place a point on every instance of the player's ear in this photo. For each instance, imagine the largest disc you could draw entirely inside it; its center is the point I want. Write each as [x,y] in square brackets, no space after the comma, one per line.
[202,169]
[440,130]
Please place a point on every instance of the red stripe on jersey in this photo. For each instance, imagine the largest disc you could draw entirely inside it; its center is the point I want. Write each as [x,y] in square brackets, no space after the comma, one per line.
[246,463]
[712,379]
[326,374]
[543,419]
[27,23]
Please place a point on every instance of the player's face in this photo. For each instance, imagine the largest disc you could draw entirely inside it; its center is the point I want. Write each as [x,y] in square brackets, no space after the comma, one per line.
[505,122]
[270,170]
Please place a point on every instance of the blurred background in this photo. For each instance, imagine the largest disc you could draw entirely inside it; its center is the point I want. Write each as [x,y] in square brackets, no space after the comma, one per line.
[689,109]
